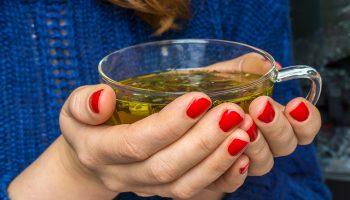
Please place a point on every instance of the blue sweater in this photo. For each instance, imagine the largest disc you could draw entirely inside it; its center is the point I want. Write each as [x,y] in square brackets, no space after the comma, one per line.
[48,48]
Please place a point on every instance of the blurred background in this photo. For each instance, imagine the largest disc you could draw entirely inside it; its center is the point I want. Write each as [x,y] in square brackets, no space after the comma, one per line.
[321,31]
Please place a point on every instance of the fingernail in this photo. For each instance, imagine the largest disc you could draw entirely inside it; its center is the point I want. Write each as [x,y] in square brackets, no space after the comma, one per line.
[278,65]
[94,99]
[244,169]
[236,146]
[268,114]
[198,107]
[253,132]
[229,119]
[300,113]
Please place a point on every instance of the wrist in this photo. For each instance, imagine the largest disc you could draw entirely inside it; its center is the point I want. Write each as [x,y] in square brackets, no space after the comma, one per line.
[58,174]
[78,173]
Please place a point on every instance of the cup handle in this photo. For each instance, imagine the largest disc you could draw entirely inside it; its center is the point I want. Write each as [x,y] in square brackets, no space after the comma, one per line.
[302,71]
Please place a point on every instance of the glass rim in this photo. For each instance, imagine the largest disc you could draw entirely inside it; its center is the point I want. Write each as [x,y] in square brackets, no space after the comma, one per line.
[187,41]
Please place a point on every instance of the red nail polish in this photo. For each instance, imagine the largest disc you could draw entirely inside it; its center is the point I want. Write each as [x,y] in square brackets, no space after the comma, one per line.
[300,113]
[198,107]
[229,119]
[236,146]
[253,132]
[268,114]
[278,65]
[94,99]
[244,169]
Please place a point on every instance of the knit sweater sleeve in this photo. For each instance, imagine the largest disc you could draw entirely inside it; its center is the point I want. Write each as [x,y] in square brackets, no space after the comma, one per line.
[266,24]
[5,180]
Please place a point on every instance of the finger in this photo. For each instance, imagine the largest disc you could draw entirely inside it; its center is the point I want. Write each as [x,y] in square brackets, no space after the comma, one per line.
[138,141]
[207,171]
[278,65]
[275,127]
[86,107]
[253,63]
[258,151]
[91,105]
[305,119]
[198,143]
[121,143]
[233,178]
[213,166]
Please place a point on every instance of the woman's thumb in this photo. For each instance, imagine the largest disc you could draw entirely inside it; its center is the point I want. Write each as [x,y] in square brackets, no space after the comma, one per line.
[91,105]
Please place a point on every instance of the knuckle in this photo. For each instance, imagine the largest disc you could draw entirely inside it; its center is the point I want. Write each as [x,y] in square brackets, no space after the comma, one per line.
[258,151]
[167,127]
[277,132]
[183,192]
[131,151]
[266,168]
[162,171]
[86,151]
[287,149]
[172,131]
[204,144]
[219,168]
[260,154]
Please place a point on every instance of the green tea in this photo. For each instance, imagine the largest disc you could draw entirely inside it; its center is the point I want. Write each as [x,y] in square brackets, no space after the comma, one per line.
[133,106]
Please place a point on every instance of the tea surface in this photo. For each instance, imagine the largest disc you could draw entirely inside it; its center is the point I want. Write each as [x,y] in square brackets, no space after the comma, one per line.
[130,108]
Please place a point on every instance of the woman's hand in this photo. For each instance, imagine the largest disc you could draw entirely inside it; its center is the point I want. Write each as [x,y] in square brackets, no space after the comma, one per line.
[276,130]
[175,153]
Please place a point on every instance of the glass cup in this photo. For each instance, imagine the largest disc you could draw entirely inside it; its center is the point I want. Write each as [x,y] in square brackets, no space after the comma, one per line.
[253,71]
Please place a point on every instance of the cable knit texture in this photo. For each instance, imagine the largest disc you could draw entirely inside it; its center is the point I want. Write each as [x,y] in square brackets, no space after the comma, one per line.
[50,47]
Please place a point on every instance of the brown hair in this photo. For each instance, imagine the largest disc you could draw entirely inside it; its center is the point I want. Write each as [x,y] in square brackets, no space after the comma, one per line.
[160,14]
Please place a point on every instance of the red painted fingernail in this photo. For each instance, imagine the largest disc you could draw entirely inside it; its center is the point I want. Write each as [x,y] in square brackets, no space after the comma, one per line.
[300,113]
[268,114]
[278,65]
[236,146]
[229,119]
[244,169]
[198,107]
[253,132]
[94,99]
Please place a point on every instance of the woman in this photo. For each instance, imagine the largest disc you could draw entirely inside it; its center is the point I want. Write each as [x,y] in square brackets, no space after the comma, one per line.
[50,48]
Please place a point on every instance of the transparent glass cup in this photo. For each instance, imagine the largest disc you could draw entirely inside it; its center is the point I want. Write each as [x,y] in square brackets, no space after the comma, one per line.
[232,59]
